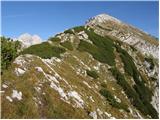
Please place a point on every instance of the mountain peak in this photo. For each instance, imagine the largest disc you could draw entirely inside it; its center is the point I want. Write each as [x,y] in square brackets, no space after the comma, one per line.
[102,18]
[107,25]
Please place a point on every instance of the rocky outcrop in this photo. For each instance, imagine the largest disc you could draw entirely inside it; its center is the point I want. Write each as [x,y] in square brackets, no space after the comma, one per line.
[105,24]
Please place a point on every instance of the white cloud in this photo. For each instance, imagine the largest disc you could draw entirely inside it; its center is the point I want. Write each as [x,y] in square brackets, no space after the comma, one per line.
[28,40]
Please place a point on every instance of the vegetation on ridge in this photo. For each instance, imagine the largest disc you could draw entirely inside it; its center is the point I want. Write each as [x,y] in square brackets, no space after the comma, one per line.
[54,39]
[67,45]
[9,51]
[92,74]
[44,50]
[69,31]
[79,29]
[101,49]
[135,95]
[112,101]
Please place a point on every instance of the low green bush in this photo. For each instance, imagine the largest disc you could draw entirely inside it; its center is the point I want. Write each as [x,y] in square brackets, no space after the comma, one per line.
[137,95]
[143,92]
[112,100]
[55,39]
[127,60]
[69,31]
[92,74]
[44,50]
[67,45]
[101,49]
[79,29]
[92,49]
[131,69]
[9,51]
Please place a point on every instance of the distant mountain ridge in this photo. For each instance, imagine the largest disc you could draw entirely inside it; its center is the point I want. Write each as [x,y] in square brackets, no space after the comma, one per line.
[27,40]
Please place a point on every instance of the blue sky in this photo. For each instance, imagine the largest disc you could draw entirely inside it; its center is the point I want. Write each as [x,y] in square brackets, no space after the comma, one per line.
[48,18]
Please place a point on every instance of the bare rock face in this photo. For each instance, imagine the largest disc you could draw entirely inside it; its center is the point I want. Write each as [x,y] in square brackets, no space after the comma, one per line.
[108,25]
[102,18]
[28,40]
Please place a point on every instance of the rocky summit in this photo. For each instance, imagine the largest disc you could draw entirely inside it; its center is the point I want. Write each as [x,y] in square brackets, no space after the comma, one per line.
[105,69]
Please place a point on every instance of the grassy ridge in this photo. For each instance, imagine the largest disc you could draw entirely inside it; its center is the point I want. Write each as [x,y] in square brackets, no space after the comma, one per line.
[102,50]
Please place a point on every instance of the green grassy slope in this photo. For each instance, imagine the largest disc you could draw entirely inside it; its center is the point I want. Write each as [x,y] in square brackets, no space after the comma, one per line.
[89,69]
